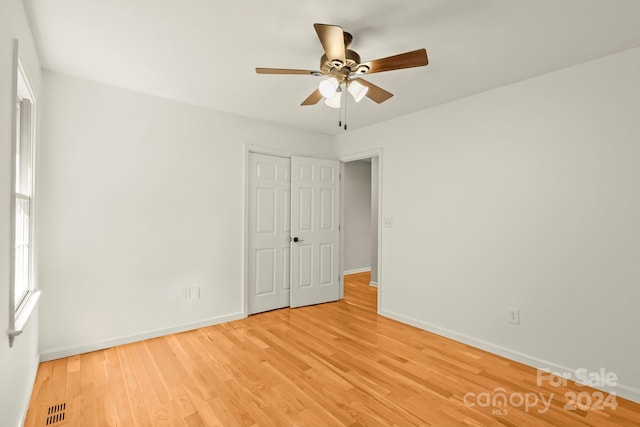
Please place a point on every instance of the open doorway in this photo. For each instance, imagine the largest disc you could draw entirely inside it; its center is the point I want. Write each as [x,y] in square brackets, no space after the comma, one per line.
[360,231]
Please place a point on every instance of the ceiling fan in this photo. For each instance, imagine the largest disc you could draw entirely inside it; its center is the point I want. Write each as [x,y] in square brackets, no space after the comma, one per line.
[343,68]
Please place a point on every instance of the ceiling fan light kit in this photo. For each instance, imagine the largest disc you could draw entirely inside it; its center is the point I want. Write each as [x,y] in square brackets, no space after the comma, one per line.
[328,87]
[334,101]
[340,65]
[357,90]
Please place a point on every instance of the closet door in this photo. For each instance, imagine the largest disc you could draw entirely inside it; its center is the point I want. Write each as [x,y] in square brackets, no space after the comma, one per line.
[269,231]
[315,232]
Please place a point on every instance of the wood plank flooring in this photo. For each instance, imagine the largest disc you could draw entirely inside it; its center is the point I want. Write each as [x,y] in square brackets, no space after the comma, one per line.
[358,292]
[336,364]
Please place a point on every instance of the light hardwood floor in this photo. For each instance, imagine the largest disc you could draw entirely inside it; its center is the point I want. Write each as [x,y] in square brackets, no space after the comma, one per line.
[327,365]
[358,292]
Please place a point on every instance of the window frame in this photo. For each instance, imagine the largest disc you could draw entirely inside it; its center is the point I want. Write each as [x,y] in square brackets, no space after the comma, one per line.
[20,311]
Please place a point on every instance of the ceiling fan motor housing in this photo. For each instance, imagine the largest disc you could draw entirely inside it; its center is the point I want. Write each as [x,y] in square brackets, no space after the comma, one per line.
[335,66]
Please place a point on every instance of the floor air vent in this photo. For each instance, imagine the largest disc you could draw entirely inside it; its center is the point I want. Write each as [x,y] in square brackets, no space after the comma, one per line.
[55,414]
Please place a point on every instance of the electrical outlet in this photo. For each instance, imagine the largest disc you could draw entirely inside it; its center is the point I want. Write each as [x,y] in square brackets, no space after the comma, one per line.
[388,222]
[186,293]
[195,292]
[514,316]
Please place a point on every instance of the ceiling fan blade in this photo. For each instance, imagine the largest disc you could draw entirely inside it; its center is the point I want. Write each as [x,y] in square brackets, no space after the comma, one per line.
[375,93]
[415,58]
[313,98]
[332,39]
[284,71]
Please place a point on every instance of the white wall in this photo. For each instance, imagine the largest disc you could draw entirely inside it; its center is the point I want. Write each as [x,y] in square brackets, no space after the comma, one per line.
[18,364]
[357,216]
[141,197]
[526,196]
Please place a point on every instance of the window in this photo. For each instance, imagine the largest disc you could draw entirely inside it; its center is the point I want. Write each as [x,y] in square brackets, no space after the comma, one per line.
[24,295]
[23,202]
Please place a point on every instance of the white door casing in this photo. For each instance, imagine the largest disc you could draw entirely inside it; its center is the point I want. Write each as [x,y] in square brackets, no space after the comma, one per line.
[269,230]
[315,215]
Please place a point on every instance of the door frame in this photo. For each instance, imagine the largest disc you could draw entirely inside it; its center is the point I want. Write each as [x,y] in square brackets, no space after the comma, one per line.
[361,155]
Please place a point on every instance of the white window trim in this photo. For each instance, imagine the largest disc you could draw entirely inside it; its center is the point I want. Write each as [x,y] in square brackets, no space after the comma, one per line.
[19,316]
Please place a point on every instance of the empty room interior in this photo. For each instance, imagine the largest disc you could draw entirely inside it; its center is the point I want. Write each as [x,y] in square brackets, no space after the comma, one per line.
[363,213]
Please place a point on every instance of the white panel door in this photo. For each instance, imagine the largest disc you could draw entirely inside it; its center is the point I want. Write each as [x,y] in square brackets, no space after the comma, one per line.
[269,231]
[315,232]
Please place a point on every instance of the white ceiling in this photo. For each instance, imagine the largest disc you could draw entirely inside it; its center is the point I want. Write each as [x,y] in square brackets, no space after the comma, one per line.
[204,52]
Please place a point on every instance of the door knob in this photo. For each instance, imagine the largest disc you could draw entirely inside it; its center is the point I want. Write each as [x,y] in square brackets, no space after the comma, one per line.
[295,239]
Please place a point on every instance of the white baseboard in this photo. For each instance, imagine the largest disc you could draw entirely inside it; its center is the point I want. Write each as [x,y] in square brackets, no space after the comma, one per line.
[86,348]
[357,270]
[620,390]
[27,400]
[374,284]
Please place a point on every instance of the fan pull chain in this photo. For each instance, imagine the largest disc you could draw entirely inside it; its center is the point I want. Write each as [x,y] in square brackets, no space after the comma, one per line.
[345,106]
[340,109]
